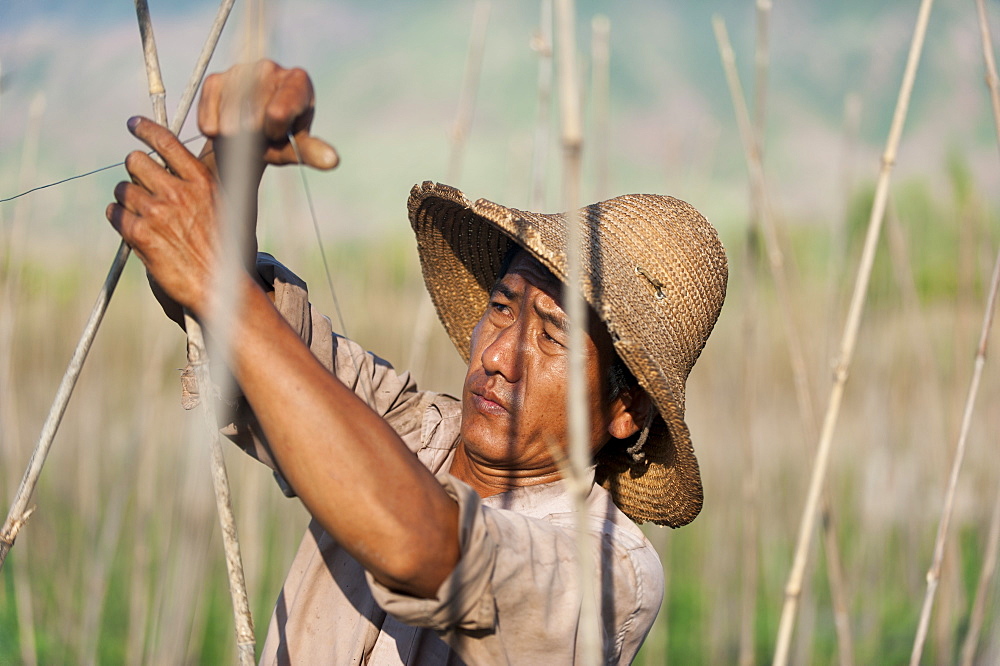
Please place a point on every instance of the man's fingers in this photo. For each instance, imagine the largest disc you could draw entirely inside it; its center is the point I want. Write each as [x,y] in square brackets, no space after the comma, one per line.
[144,171]
[317,153]
[314,152]
[290,105]
[132,197]
[178,158]
[125,222]
[208,107]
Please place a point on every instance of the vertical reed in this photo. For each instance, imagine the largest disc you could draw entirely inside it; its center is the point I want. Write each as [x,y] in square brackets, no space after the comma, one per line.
[748,392]
[934,573]
[542,44]
[849,338]
[988,568]
[459,132]
[576,312]
[752,138]
[600,54]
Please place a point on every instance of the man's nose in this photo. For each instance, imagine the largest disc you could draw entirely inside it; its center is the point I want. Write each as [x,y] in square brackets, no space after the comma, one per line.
[503,355]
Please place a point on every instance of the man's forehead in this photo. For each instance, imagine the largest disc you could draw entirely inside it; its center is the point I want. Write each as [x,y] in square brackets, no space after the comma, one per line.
[525,265]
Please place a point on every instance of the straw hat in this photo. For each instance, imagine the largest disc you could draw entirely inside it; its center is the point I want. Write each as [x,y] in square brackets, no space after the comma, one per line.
[655,273]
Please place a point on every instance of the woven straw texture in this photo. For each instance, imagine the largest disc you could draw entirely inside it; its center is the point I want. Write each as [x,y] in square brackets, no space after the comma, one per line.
[655,272]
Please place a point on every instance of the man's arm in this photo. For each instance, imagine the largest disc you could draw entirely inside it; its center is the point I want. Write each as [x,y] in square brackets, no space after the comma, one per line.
[351,470]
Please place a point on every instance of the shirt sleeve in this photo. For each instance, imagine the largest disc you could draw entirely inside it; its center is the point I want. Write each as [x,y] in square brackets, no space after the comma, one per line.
[394,396]
[514,594]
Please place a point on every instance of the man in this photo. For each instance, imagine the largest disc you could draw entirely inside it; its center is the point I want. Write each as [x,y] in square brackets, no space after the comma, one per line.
[441,531]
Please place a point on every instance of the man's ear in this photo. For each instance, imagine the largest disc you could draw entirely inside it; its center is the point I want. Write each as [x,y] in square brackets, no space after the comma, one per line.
[629,412]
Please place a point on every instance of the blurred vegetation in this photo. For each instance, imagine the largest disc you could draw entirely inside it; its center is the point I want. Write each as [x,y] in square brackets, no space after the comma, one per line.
[124,453]
[122,561]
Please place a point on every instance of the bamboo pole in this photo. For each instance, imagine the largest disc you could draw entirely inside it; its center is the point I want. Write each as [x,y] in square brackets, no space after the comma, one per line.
[542,44]
[576,312]
[992,80]
[600,54]
[775,257]
[982,586]
[470,86]
[763,219]
[459,131]
[750,559]
[18,513]
[934,573]
[851,325]
[988,569]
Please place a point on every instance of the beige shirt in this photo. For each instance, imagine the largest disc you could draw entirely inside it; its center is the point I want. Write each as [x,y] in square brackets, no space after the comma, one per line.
[512,598]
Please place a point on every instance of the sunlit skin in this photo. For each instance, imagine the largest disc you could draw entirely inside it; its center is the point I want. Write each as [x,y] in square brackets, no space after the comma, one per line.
[514,414]
[349,467]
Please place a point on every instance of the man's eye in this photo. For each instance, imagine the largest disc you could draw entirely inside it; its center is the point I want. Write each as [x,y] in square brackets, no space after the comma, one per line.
[549,338]
[502,308]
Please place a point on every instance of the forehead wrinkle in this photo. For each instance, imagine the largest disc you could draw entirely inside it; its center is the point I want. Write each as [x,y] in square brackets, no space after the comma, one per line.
[557,319]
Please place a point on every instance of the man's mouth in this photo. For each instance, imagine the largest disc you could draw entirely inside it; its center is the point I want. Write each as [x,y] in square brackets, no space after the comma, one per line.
[489,401]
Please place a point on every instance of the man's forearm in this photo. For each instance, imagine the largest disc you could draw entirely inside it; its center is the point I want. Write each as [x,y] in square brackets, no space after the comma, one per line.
[347,465]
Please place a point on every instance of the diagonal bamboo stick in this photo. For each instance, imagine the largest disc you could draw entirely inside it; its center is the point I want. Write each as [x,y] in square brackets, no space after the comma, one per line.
[775,258]
[986,574]
[849,338]
[18,513]
[198,360]
[763,220]
[576,312]
[988,569]
[934,573]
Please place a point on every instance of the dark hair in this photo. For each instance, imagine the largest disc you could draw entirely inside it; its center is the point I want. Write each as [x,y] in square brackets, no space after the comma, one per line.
[619,379]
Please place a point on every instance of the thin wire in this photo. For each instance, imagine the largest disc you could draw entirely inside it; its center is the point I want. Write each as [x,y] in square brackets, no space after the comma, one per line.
[89,173]
[326,265]
[319,239]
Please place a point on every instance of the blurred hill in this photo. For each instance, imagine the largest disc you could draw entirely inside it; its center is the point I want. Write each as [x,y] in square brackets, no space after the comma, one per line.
[388,77]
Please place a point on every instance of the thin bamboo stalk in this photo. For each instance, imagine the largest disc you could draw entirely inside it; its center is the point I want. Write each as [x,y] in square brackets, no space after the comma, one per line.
[751,512]
[763,216]
[600,54]
[576,312]
[18,513]
[982,586]
[772,246]
[198,354]
[851,325]
[157,93]
[542,44]
[934,573]
[459,132]
[470,86]
[988,569]
[992,80]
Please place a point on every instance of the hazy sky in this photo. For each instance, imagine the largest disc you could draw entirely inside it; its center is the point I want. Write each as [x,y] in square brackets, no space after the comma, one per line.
[388,77]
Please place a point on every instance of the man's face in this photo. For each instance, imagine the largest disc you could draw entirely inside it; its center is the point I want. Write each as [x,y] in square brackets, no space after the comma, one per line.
[514,398]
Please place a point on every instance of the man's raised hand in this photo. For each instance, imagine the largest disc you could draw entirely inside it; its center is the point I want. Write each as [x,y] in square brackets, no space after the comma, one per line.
[169,217]
[268,99]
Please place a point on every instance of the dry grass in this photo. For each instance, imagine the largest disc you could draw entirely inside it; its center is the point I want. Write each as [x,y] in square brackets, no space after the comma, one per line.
[123,558]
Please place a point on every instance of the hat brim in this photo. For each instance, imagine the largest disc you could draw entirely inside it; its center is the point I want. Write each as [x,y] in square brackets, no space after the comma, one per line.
[461,246]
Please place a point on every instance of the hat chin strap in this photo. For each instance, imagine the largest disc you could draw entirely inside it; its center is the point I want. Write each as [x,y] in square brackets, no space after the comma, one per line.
[636,451]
